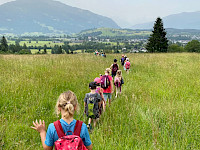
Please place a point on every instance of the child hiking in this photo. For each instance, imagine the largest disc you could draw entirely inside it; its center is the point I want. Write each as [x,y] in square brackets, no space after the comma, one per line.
[66,105]
[122,60]
[99,90]
[96,53]
[118,81]
[92,102]
[107,85]
[114,67]
[127,65]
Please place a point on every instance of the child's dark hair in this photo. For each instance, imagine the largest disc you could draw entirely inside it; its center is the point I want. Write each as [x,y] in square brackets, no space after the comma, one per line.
[115,60]
[92,85]
[98,84]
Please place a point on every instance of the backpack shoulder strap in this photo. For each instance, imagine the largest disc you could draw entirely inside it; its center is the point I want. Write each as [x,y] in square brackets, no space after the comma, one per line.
[59,128]
[77,129]
[96,95]
[87,95]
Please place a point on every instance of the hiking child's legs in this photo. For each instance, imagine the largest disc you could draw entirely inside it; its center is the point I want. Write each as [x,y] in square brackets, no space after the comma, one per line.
[101,108]
[104,106]
[107,96]
[95,121]
[116,89]
[89,120]
[127,70]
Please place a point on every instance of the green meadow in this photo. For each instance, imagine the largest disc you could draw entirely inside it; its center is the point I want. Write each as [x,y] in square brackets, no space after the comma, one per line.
[159,108]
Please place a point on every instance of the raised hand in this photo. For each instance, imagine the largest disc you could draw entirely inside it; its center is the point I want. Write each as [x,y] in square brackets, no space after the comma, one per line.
[40,127]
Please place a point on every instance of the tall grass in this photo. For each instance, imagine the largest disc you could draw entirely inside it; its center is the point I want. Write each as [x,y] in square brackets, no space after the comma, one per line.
[158,109]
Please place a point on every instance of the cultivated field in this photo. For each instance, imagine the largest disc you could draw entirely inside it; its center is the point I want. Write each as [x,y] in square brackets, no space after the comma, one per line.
[159,107]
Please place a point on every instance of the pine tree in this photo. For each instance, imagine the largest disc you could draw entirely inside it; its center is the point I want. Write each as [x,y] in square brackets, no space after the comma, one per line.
[45,49]
[59,50]
[157,41]
[24,46]
[4,44]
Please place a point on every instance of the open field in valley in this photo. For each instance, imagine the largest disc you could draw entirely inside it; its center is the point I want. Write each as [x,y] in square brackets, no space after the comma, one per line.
[159,107]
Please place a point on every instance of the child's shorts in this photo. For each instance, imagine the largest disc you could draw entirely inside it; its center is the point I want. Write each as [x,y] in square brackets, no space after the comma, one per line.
[107,96]
[94,116]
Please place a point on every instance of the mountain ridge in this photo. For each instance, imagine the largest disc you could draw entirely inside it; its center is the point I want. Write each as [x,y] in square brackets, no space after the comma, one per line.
[184,20]
[48,16]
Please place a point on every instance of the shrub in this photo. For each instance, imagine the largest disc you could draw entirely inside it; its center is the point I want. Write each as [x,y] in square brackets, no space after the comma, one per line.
[25,51]
[175,48]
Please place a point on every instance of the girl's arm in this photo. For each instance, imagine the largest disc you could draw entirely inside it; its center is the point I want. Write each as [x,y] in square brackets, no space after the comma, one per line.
[111,66]
[111,84]
[89,147]
[40,127]
[101,93]
[99,104]
[84,107]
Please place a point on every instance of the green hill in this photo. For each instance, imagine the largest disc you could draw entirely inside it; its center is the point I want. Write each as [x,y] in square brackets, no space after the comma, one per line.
[114,32]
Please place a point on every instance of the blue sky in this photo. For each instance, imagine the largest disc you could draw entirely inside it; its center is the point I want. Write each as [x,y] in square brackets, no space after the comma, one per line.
[130,12]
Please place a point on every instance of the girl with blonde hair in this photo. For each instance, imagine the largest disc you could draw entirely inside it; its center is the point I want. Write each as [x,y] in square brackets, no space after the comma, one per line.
[118,81]
[67,104]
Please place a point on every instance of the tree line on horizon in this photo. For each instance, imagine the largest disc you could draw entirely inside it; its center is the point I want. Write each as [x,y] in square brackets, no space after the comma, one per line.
[157,43]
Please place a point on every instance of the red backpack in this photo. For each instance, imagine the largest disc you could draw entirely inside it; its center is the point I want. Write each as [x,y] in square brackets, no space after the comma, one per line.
[114,69]
[105,82]
[69,142]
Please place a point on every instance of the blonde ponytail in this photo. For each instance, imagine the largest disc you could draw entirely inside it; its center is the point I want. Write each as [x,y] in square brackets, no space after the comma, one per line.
[67,101]
[69,110]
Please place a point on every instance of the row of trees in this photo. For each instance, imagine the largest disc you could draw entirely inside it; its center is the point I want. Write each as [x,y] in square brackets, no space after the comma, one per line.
[192,46]
[13,48]
[157,42]
[90,47]
[66,48]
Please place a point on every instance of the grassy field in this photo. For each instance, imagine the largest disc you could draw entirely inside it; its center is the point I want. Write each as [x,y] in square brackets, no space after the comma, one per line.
[41,43]
[159,107]
[37,43]
[116,32]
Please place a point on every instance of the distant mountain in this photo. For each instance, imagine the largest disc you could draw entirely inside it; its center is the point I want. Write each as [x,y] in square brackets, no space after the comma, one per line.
[48,16]
[185,20]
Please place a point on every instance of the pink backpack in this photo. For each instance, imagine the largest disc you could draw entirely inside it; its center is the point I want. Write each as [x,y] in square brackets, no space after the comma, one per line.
[117,82]
[127,65]
[69,142]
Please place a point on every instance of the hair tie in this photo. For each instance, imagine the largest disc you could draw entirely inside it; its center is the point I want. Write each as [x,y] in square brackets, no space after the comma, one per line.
[66,104]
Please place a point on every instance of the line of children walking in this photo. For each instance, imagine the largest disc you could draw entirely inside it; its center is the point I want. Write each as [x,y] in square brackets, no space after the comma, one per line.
[101,90]
[105,88]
